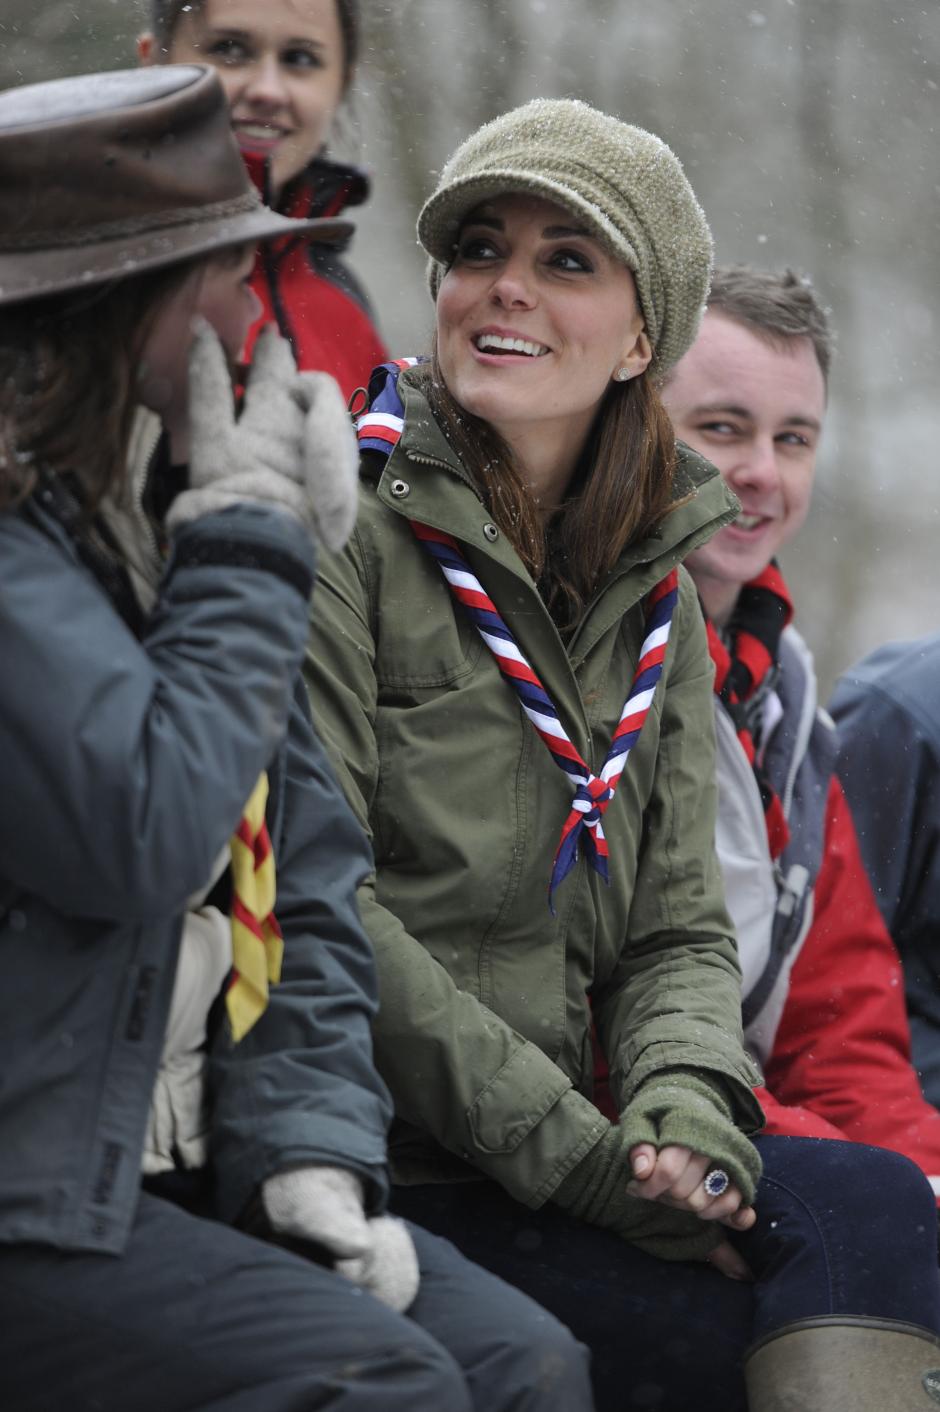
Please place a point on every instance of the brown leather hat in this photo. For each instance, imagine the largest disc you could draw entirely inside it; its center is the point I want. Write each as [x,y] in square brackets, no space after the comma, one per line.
[107,174]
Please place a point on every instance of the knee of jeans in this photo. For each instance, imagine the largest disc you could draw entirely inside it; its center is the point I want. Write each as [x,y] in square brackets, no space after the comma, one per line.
[428,1377]
[870,1188]
[877,1181]
[543,1361]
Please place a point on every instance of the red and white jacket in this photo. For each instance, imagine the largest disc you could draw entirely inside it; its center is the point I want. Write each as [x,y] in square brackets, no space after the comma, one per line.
[307,289]
[823,989]
[823,992]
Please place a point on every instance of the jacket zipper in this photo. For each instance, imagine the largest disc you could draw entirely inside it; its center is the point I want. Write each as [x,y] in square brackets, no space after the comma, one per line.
[791,887]
[807,718]
[420,459]
[140,511]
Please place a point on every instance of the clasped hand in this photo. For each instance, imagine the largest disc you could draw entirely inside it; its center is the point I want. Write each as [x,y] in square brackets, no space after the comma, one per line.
[675,1176]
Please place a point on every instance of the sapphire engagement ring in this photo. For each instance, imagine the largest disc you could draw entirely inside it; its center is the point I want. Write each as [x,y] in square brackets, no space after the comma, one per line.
[716,1182]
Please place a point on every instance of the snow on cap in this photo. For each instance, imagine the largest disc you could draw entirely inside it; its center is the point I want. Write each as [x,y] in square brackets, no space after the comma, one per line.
[622,182]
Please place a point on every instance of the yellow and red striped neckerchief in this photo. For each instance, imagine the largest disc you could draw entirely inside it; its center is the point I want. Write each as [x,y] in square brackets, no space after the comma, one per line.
[257,946]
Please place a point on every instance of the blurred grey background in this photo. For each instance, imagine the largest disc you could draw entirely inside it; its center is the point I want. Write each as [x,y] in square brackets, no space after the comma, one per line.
[809,130]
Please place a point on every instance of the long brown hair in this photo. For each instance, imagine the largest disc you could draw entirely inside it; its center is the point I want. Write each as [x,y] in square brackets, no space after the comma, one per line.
[68,373]
[621,489]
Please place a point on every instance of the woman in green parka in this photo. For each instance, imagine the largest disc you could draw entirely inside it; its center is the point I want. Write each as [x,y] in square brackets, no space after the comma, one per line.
[510,667]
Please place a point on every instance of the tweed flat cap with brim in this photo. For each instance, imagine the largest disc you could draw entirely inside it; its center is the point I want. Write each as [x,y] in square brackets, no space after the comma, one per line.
[106,175]
[623,183]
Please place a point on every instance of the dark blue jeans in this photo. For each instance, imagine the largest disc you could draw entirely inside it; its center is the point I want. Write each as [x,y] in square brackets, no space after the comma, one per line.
[841,1229]
[196,1316]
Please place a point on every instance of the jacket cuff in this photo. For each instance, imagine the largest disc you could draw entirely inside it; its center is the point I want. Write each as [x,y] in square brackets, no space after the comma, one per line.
[713,1052]
[248,537]
[241,1168]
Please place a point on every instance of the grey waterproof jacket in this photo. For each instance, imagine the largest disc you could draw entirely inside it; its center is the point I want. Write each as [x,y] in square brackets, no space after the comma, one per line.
[887,708]
[126,763]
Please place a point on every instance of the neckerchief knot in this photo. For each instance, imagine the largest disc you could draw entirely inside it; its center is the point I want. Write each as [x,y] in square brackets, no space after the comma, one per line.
[591,800]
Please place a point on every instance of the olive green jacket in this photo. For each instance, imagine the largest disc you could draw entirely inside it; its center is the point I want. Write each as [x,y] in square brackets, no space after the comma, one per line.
[484,1030]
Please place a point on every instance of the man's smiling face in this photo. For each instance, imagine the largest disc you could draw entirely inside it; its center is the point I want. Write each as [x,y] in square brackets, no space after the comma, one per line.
[754,407]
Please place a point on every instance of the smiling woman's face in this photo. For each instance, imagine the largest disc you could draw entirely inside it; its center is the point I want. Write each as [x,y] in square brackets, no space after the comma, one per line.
[282,65]
[534,317]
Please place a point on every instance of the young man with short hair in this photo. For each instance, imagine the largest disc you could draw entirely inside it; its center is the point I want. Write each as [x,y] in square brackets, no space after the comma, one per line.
[823,997]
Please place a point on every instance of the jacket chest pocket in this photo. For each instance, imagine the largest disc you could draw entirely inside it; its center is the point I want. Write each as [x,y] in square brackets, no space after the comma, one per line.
[424,641]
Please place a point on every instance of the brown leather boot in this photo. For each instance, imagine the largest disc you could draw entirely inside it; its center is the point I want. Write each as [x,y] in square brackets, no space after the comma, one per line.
[845,1365]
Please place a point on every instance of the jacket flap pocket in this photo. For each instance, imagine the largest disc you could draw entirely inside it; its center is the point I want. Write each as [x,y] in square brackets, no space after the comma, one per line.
[516,1098]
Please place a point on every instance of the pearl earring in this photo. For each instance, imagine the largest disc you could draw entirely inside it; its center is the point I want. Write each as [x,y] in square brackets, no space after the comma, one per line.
[622,374]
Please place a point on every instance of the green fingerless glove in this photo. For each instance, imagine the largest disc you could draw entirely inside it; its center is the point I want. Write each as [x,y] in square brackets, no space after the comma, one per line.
[596,1192]
[691,1109]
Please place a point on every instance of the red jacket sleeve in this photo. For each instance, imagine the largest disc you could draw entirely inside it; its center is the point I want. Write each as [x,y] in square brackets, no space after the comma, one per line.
[842,1050]
[790,1120]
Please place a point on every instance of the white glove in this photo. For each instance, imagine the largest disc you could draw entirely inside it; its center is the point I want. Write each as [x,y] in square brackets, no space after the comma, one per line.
[325,1205]
[390,1270]
[293,445]
[322,1204]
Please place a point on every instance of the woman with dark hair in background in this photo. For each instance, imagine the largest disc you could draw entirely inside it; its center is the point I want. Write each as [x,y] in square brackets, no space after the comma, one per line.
[186,1075]
[287,67]
[511,670]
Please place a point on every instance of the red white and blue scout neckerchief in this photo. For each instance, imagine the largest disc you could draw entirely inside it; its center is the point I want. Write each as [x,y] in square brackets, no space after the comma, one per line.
[380,430]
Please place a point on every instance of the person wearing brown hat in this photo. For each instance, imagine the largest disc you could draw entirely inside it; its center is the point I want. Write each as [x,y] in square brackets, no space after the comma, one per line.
[510,668]
[186,991]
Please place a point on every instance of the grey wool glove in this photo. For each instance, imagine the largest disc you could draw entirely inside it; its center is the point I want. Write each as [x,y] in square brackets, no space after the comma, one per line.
[319,1204]
[389,1271]
[293,445]
[691,1109]
[324,1206]
[596,1192]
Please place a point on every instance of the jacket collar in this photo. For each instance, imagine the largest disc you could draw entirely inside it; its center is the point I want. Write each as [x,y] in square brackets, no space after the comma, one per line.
[324,188]
[703,503]
[423,438]
[424,480]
